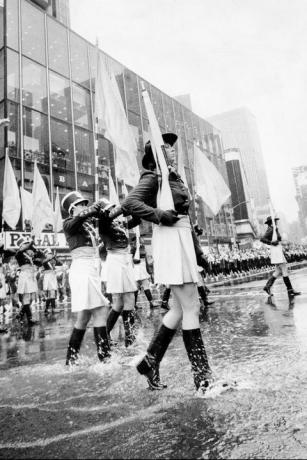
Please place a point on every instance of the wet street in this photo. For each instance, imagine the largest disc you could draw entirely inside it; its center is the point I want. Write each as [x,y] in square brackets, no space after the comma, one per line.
[105,410]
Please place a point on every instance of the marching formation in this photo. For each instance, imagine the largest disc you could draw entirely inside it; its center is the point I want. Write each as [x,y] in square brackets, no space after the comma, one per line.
[109,266]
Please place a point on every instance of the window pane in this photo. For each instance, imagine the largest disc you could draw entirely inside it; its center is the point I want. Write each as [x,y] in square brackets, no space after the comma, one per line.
[84,151]
[34,93]
[33,32]
[60,105]
[1,24]
[13,130]
[82,107]
[57,44]
[12,23]
[79,60]
[35,136]
[62,154]
[12,76]
[1,74]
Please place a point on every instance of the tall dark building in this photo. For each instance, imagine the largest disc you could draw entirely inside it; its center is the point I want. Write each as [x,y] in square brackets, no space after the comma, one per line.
[47,90]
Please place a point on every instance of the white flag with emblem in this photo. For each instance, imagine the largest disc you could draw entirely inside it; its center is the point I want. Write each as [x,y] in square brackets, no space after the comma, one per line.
[11,200]
[42,207]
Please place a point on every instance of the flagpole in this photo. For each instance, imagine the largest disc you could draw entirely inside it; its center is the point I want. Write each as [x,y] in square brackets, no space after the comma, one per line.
[96,157]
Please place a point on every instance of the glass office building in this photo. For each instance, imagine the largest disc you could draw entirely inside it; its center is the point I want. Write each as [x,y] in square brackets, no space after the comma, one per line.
[47,90]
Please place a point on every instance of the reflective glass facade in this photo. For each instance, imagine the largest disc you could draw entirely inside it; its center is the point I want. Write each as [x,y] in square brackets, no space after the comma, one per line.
[48,93]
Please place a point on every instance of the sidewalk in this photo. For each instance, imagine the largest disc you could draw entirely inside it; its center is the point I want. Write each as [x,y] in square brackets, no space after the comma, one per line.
[261,275]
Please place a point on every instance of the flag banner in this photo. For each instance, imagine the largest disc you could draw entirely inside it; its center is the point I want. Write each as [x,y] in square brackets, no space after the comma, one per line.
[26,204]
[180,163]
[113,122]
[164,198]
[58,221]
[42,207]
[113,197]
[11,200]
[209,183]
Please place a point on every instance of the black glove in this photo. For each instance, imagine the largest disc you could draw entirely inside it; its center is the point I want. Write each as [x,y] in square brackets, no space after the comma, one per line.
[274,243]
[136,261]
[91,211]
[279,238]
[202,261]
[169,217]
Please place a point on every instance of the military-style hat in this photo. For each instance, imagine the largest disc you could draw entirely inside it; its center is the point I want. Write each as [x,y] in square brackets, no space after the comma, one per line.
[72,199]
[168,138]
[269,220]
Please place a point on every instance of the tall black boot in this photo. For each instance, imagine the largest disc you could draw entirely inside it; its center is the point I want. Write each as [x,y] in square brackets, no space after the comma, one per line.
[48,301]
[74,346]
[52,303]
[269,284]
[149,366]
[197,355]
[291,291]
[28,313]
[165,298]
[112,318]
[203,295]
[148,294]
[102,343]
[128,320]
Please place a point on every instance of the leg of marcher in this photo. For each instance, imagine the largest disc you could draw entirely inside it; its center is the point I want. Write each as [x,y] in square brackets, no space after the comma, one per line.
[100,333]
[150,364]
[129,318]
[188,296]
[77,337]
[165,298]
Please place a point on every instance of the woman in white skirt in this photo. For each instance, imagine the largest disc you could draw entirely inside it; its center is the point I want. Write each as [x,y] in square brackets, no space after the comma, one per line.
[50,282]
[176,253]
[119,275]
[28,257]
[84,275]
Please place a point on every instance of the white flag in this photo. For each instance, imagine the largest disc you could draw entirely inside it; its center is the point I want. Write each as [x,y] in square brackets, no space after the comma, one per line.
[112,120]
[42,207]
[209,183]
[11,199]
[113,197]
[180,163]
[58,221]
[26,204]
[165,197]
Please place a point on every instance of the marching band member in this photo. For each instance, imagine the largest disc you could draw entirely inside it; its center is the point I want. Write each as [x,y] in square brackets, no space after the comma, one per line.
[176,253]
[50,282]
[84,275]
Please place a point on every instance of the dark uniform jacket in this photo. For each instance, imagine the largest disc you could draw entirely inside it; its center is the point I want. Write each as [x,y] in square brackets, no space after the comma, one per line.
[267,237]
[142,201]
[79,231]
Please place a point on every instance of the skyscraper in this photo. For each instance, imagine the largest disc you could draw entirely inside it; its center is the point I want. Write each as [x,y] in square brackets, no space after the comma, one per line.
[300,181]
[239,130]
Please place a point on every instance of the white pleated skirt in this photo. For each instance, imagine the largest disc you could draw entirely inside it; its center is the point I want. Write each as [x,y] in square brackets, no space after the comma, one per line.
[103,271]
[27,283]
[119,272]
[174,254]
[140,271]
[50,281]
[85,284]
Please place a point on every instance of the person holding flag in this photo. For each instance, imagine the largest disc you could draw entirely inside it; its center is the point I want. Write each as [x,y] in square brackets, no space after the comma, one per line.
[176,253]
[272,238]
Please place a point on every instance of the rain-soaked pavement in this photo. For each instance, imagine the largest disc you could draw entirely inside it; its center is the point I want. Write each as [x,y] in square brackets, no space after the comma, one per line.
[105,411]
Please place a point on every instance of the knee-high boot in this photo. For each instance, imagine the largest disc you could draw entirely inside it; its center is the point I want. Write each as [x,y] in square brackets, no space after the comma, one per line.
[74,346]
[148,295]
[128,320]
[197,355]
[112,318]
[165,298]
[102,343]
[136,293]
[291,291]
[203,295]
[269,284]
[149,366]
[27,311]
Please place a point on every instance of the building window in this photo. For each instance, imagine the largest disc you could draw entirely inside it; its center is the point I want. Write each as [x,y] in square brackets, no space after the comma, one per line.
[33,32]
[35,136]
[62,146]
[12,24]
[82,107]
[60,102]
[1,74]
[132,91]
[34,91]
[84,151]
[13,130]
[57,47]
[12,76]
[79,60]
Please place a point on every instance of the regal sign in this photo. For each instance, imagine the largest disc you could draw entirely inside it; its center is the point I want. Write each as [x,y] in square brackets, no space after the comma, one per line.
[45,240]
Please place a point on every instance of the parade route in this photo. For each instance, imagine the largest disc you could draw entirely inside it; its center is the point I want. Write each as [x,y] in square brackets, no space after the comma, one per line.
[105,410]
